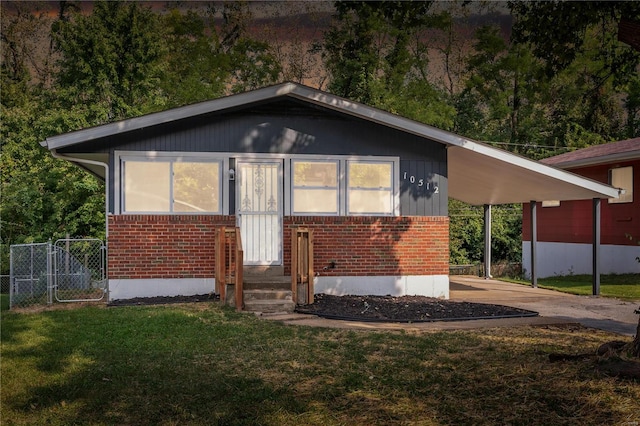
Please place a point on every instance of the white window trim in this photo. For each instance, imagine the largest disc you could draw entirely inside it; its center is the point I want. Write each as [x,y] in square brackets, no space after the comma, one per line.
[171,157]
[337,188]
[224,158]
[343,161]
[347,188]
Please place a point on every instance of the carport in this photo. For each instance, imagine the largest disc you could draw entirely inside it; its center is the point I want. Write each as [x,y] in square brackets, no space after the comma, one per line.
[482,175]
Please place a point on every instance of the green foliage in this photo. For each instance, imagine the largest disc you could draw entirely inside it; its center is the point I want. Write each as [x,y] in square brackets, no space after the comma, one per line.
[110,60]
[196,67]
[590,67]
[466,233]
[370,54]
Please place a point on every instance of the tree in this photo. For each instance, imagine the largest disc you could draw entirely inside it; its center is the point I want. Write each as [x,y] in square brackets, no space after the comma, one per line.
[586,48]
[503,98]
[110,61]
[197,68]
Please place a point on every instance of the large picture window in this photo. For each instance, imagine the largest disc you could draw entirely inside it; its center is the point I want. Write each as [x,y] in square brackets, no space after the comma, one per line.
[315,187]
[171,186]
[622,177]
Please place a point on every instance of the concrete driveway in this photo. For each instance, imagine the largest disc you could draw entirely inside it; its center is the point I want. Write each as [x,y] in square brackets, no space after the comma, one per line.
[605,313]
[608,314]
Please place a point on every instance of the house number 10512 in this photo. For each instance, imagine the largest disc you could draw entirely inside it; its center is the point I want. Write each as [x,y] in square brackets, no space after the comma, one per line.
[420,182]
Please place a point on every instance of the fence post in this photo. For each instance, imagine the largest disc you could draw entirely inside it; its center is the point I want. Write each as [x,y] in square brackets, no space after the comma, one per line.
[50,272]
[11,277]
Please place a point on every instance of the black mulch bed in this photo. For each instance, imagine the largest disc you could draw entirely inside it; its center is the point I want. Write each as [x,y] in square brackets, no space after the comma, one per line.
[406,309]
[371,308]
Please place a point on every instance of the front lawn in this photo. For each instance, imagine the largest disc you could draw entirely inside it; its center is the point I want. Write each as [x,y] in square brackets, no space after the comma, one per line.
[622,286]
[205,364]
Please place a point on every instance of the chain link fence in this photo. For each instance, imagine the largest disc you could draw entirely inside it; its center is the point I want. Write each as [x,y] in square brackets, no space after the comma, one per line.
[30,277]
[71,270]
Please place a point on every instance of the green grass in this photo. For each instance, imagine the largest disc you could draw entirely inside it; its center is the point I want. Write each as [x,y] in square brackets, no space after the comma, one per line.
[4,302]
[623,286]
[204,364]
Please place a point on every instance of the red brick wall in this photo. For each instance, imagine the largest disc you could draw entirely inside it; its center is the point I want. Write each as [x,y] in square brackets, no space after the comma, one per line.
[572,222]
[163,246]
[379,246]
[182,246]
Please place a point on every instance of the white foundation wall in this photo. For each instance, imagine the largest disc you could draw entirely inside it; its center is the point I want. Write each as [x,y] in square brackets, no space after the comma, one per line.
[570,258]
[411,285]
[132,288]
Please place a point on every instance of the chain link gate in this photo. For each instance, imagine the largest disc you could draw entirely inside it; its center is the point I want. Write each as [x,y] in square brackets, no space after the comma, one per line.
[30,279]
[80,274]
[71,270]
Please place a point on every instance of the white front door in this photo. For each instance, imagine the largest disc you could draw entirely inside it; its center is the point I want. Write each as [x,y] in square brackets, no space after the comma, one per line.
[259,210]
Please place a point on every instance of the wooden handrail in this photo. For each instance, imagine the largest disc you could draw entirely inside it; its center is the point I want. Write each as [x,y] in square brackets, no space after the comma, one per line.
[226,254]
[239,271]
[302,262]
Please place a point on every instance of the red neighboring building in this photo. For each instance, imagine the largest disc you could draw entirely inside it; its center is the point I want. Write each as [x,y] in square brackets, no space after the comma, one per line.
[565,229]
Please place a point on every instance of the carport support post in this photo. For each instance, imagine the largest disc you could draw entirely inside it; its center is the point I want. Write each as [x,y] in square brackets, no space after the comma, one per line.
[596,246]
[534,243]
[487,241]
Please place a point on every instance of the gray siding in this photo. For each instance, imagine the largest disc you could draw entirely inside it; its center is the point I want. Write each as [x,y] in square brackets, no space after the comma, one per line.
[289,127]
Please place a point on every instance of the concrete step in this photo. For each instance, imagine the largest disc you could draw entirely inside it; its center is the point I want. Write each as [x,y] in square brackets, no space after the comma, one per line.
[270,271]
[267,294]
[269,305]
[267,282]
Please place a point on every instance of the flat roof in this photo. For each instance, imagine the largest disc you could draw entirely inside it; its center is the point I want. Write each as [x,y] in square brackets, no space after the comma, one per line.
[478,173]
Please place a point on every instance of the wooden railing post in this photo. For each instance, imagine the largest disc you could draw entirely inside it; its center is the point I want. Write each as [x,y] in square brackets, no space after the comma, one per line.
[294,264]
[310,266]
[221,261]
[302,262]
[239,276]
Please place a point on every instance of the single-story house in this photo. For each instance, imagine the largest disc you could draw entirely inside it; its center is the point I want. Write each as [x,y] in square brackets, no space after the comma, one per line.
[565,231]
[372,186]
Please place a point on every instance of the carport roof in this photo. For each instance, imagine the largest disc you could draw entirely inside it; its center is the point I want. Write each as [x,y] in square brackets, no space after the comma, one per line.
[477,173]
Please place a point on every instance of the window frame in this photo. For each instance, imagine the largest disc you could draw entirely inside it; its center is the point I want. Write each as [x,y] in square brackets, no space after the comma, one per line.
[628,191]
[348,188]
[169,157]
[227,160]
[343,162]
[294,187]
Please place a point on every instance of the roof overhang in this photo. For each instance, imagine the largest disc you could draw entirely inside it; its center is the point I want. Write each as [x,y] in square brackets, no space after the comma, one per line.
[477,173]
[604,159]
[481,174]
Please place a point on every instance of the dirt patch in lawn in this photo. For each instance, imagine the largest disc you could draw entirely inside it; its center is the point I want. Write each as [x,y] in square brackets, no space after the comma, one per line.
[405,309]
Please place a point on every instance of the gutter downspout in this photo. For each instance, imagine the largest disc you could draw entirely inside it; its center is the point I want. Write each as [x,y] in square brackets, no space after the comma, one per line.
[106,198]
